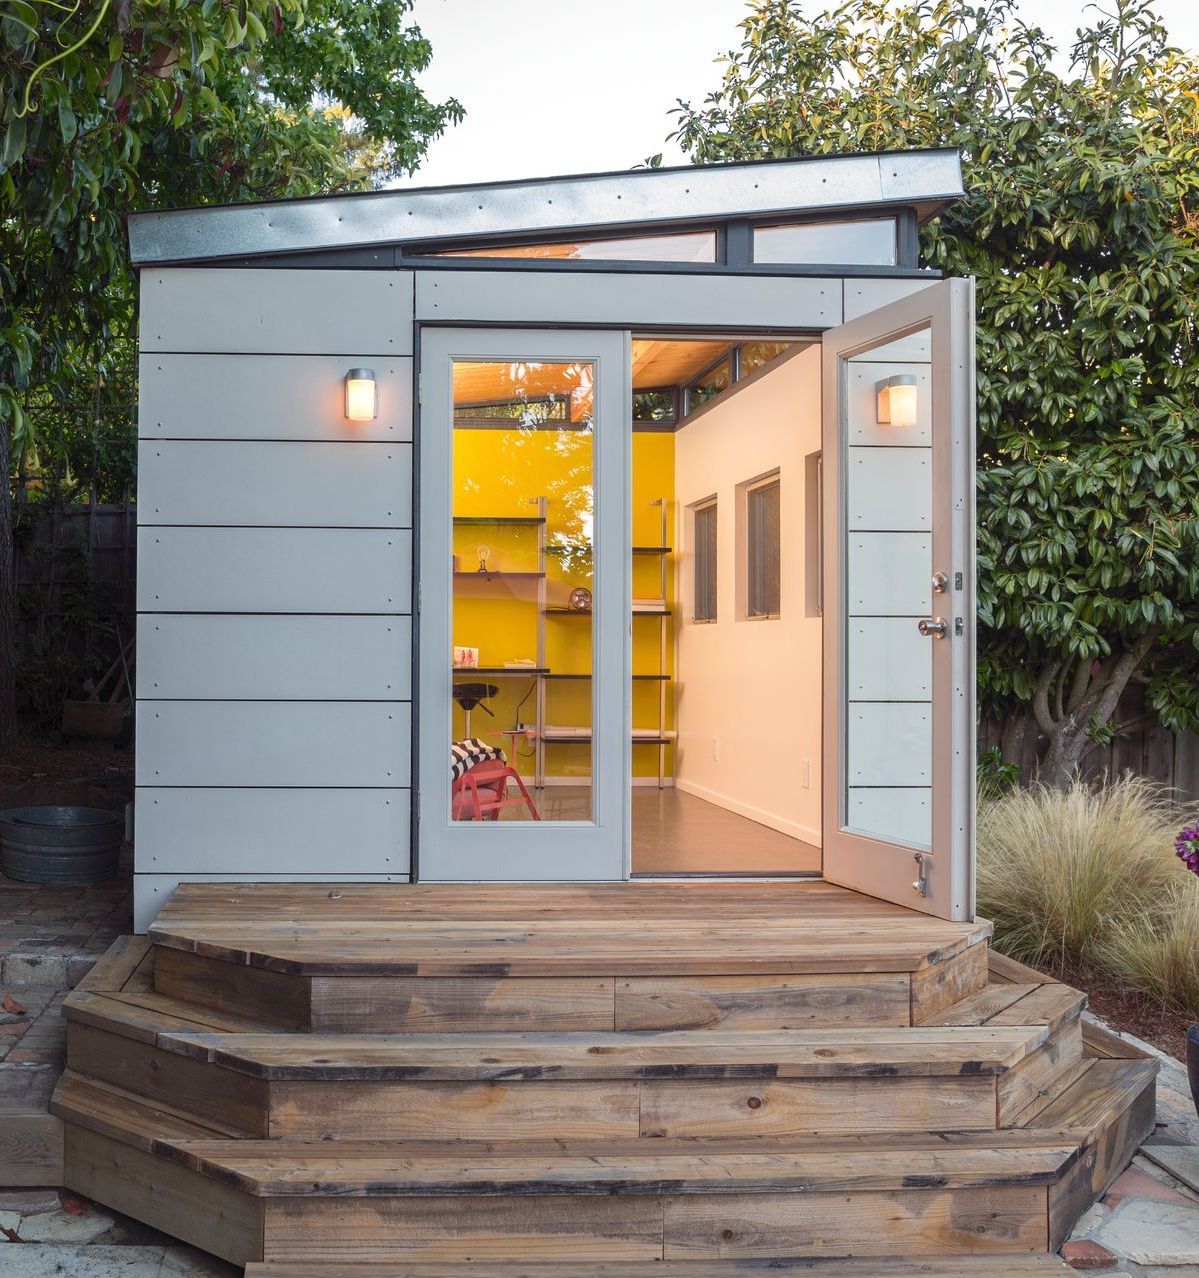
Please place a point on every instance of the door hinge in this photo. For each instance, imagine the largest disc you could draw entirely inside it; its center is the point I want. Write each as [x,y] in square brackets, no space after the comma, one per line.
[419,591]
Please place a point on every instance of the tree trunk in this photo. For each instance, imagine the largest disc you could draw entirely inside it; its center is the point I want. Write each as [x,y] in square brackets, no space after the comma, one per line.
[1063,756]
[8,663]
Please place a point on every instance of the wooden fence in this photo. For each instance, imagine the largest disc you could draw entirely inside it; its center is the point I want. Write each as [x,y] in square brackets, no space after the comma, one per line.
[61,549]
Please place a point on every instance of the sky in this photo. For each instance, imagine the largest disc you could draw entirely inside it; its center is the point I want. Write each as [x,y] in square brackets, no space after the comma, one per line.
[577,86]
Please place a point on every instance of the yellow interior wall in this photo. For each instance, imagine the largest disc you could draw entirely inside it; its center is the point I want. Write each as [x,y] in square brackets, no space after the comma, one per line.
[502,473]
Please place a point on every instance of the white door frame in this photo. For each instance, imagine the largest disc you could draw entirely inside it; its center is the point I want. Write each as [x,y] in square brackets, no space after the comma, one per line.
[868,862]
[526,851]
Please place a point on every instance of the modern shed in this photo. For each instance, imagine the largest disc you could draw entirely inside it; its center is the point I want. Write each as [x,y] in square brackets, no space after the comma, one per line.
[653,487]
[598,552]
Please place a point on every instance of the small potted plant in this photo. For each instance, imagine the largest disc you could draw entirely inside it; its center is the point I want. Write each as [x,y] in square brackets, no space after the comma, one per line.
[1187,847]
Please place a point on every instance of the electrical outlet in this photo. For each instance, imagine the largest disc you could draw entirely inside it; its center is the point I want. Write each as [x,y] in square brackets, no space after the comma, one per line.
[715,749]
[805,773]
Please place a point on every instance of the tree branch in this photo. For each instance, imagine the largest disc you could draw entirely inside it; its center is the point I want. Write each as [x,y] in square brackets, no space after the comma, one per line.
[1040,699]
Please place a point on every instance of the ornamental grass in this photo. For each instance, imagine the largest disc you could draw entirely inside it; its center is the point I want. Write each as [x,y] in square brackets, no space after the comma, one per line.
[1088,878]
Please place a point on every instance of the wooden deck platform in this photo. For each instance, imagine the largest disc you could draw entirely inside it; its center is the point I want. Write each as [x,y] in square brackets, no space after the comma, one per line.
[511,1082]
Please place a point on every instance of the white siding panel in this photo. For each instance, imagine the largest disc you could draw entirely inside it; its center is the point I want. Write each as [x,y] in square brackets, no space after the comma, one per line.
[889,574]
[151,891]
[360,314]
[317,570]
[273,658]
[273,484]
[268,397]
[862,295]
[890,489]
[889,743]
[596,298]
[274,743]
[888,659]
[283,831]
[862,406]
[900,814]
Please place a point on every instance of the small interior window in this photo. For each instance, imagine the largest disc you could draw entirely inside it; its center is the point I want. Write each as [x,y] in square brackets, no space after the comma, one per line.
[703,532]
[763,576]
[682,246]
[865,241]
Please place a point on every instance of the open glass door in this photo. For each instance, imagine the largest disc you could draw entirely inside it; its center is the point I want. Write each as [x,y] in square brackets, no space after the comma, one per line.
[523,718]
[898,462]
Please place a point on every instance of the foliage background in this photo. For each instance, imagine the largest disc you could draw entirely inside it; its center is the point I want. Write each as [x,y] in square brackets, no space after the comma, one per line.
[1081,225]
[116,105]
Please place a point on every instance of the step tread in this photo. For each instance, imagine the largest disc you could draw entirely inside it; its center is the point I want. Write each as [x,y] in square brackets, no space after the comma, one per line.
[1049,1003]
[1098,1099]
[124,1116]
[536,930]
[880,1053]
[361,1169]
[1014,1266]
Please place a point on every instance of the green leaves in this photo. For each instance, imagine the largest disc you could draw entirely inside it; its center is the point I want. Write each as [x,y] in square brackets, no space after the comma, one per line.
[1081,226]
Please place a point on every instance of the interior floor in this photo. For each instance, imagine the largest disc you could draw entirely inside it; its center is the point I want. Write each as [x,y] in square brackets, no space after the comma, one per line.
[677,833]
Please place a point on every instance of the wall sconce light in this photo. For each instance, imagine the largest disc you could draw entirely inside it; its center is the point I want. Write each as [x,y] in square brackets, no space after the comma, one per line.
[897,400]
[362,399]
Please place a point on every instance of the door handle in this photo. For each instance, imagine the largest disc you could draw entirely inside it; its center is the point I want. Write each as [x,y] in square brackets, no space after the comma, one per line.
[934,628]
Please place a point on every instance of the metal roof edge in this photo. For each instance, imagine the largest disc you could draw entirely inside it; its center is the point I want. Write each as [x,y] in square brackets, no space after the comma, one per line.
[632,199]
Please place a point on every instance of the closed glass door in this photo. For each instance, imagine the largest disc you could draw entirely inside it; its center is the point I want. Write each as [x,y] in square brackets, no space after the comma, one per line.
[524,605]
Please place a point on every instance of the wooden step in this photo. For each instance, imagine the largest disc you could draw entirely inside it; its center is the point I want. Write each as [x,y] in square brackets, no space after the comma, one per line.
[884,1267]
[548,958]
[716,1085]
[338,1200]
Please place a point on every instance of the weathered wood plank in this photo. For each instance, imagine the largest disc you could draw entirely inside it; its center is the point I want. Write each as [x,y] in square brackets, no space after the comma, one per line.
[1116,1100]
[911,1223]
[720,1110]
[201,1212]
[464,1229]
[963,1266]
[940,985]
[762,1002]
[504,1057]
[115,965]
[978,1008]
[86,1103]
[1035,1075]
[597,1111]
[228,987]
[234,1102]
[31,1147]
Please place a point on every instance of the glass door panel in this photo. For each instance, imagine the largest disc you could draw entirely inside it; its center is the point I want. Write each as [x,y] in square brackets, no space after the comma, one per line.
[524,605]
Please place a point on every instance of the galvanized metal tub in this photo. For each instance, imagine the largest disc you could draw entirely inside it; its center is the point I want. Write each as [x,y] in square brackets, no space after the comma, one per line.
[60,844]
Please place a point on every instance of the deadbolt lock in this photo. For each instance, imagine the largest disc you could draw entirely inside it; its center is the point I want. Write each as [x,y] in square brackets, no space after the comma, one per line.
[940,583]
[932,628]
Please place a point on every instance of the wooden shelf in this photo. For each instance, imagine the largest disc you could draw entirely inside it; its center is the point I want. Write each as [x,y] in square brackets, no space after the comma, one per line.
[652,550]
[565,738]
[500,670]
[579,612]
[658,678]
[503,521]
[493,576]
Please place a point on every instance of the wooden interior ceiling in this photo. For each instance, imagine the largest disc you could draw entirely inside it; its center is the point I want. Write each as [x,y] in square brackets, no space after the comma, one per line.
[657,362]
[671,362]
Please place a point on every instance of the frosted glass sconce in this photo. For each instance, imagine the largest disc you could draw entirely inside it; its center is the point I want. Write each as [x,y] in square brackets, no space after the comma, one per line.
[897,400]
[362,400]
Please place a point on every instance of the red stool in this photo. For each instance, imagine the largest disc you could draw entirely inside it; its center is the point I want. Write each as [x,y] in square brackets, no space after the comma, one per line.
[481,792]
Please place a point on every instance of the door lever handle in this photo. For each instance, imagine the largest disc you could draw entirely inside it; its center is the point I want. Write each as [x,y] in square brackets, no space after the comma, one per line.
[933,628]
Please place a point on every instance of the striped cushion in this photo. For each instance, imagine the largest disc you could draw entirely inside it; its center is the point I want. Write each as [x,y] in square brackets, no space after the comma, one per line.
[467,754]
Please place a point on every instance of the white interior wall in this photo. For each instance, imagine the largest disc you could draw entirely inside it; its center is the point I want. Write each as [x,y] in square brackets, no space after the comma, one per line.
[274,583]
[749,707]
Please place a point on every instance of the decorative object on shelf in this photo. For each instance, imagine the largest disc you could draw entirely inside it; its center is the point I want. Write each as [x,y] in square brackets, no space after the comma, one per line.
[466,658]
[580,599]
[484,553]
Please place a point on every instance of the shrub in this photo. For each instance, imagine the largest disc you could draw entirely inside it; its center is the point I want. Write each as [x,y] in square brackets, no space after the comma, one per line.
[1159,956]
[1062,871]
